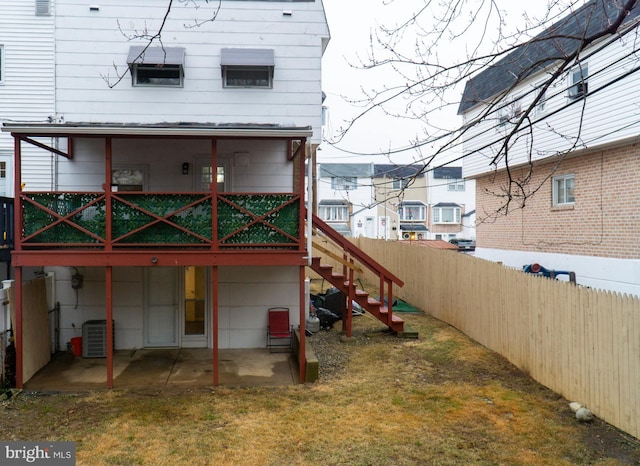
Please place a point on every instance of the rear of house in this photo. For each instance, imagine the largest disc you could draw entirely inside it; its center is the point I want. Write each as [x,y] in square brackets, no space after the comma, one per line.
[171,203]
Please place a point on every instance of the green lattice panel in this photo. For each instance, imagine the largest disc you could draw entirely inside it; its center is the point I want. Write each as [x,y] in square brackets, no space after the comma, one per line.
[91,218]
[231,219]
[196,219]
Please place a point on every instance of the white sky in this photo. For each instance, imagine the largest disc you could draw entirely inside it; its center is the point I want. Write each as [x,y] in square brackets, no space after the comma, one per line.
[351,23]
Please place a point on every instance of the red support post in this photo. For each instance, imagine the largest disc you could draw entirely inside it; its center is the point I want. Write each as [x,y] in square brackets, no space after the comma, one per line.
[17,331]
[109,312]
[302,349]
[108,197]
[214,318]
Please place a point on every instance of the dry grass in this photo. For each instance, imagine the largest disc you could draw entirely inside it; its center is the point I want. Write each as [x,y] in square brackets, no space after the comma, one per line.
[441,399]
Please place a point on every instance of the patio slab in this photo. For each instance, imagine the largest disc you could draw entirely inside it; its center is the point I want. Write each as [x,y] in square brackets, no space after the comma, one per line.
[166,369]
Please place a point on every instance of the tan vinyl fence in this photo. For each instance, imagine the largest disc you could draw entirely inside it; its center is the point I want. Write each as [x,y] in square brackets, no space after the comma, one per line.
[582,343]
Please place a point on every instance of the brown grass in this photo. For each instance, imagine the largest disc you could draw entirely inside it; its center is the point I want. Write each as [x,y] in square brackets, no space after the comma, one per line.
[441,399]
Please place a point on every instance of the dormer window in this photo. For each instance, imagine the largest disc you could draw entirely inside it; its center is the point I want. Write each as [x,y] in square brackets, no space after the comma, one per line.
[156,66]
[578,86]
[247,68]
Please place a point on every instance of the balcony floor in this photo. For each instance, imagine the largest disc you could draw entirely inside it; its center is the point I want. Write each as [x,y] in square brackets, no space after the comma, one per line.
[166,369]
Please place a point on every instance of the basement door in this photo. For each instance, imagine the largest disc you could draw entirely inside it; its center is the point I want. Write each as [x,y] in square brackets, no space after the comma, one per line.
[161,324]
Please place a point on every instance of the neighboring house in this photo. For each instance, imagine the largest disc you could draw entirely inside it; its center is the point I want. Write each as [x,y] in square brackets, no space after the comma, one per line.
[345,193]
[401,194]
[581,210]
[172,204]
[373,200]
[451,204]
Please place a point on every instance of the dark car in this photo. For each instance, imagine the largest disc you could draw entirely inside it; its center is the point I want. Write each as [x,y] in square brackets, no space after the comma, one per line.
[464,244]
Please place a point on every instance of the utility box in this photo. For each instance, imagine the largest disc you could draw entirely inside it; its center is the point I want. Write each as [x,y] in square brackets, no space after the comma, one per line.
[94,339]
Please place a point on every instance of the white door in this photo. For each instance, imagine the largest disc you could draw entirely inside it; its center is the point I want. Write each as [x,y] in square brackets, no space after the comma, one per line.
[369,228]
[161,324]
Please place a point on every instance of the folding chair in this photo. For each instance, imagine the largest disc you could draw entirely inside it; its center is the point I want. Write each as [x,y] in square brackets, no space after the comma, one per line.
[279,332]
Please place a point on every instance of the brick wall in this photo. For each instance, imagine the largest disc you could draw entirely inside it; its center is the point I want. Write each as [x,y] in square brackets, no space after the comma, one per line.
[604,221]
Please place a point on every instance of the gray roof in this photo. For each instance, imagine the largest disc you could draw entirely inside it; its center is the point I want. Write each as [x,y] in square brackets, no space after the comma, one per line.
[398,171]
[156,55]
[367,170]
[333,170]
[555,43]
[448,173]
[446,204]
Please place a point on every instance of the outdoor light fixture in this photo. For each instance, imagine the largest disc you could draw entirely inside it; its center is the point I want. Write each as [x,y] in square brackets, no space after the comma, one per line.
[185,168]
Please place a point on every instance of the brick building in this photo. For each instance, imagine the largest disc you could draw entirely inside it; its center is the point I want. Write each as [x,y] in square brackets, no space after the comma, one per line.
[572,151]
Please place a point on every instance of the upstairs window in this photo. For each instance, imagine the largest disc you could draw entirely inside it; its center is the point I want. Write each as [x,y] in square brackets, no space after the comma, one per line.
[412,211]
[399,183]
[242,68]
[446,213]
[578,86]
[563,190]
[456,185]
[156,66]
[334,211]
[345,183]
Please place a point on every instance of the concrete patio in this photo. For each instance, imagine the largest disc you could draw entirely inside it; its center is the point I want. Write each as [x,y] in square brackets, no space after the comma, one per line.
[167,369]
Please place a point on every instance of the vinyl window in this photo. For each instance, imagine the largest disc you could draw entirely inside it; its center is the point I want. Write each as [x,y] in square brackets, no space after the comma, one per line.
[446,215]
[578,86]
[563,190]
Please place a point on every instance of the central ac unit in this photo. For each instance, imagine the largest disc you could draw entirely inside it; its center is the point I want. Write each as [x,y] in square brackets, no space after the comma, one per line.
[94,339]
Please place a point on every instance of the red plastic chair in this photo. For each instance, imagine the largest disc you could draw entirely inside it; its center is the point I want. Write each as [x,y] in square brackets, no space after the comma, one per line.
[279,332]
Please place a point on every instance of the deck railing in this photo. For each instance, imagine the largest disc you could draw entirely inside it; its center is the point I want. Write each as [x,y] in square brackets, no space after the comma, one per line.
[168,220]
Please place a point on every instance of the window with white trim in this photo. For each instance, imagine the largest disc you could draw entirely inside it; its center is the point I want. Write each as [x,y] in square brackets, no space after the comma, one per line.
[399,183]
[344,183]
[446,215]
[578,84]
[334,213]
[412,212]
[456,185]
[563,190]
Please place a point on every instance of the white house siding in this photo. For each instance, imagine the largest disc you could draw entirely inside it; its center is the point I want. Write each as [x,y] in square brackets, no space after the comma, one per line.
[620,275]
[27,85]
[264,166]
[89,44]
[244,294]
[608,115]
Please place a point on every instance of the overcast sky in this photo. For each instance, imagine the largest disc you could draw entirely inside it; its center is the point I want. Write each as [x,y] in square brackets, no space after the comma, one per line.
[351,22]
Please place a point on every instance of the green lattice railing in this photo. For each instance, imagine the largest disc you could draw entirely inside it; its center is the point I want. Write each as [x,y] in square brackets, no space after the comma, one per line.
[160,219]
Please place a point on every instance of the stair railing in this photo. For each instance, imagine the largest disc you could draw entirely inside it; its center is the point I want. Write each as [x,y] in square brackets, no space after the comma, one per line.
[352,253]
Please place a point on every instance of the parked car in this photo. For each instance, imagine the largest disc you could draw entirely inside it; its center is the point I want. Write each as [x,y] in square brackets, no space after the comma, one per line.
[464,244]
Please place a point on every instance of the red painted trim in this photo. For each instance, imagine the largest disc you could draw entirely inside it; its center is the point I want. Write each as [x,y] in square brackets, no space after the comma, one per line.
[108,149]
[214,191]
[144,258]
[109,306]
[17,177]
[302,350]
[215,325]
[17,333]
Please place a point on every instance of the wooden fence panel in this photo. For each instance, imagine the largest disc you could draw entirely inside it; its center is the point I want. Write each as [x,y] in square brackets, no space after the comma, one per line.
[582,343]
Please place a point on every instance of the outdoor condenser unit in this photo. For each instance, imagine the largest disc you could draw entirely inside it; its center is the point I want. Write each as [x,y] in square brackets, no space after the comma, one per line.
[94,339]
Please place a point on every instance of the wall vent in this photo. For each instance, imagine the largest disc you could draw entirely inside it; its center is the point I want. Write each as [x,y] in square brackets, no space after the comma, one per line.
[43,7]
[94,339]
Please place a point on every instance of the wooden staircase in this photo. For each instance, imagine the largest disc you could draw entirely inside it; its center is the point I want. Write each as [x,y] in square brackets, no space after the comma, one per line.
[369,304]
[344,281]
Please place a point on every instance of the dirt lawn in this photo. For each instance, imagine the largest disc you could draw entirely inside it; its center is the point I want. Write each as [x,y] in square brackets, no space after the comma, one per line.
[441,399]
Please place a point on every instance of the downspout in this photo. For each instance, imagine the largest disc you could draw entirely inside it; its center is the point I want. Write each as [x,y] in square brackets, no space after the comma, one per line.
[309,206]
